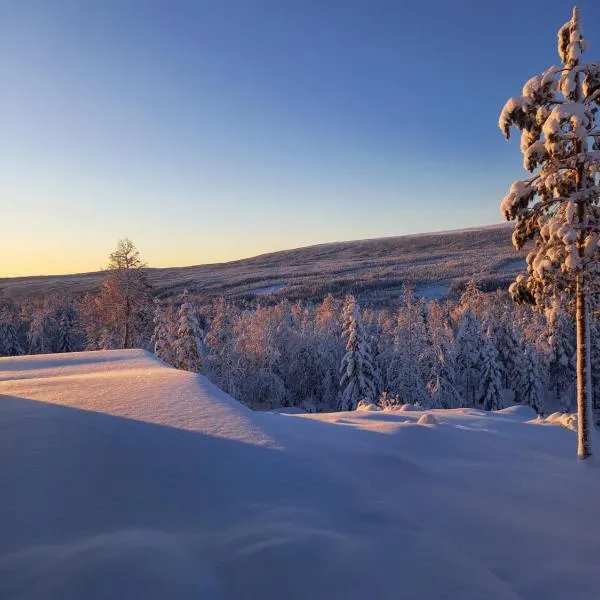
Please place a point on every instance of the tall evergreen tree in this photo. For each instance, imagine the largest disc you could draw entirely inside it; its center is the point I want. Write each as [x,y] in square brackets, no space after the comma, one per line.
[357,370]
[558,205]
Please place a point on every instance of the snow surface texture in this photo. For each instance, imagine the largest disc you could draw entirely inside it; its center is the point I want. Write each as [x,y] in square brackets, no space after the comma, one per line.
[123,478]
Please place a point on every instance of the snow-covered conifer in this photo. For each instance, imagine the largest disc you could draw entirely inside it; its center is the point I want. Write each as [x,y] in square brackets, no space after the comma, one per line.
[162,338]
[188,346]
[409,364]
[490,384]
[9,340]
[357,371]
[531,388]
[469,343]
[561,354]
[557,207]
[65,332]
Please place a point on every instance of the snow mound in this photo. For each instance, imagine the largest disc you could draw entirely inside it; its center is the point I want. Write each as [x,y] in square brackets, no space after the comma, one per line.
[428,419]
[569,421]
[519,410]
[367,407]
[123,478]
[131,384]
[287,410]
[408,408]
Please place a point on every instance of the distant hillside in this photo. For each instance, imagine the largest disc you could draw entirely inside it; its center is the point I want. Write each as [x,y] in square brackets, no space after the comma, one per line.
[435,264]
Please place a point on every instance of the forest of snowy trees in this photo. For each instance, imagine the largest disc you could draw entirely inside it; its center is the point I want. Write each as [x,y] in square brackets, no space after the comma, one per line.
[479,350]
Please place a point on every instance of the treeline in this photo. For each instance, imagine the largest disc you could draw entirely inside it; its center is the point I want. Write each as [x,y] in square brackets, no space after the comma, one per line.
[480,351]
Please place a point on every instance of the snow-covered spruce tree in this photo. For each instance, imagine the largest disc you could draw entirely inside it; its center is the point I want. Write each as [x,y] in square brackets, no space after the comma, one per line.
[65,332]
[442,379]
[408,379]
[558,205]
[561,353]
[357,371]
[469,342]
[442,385]
[9,340]
[531,387]
[162,338]
[490,383]
[188,346]
[220,346]
[511,351]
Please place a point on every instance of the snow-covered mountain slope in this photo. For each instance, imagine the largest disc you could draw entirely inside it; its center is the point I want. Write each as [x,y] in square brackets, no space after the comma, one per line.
[374,269]
[122,478]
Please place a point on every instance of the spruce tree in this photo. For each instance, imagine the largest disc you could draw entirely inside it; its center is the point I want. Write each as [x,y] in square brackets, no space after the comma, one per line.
[357,370]
[469,343]
[65,333]
[490,390]
[557,207]
[531,389]
[188,346]
[9,340]
[409,375]
[162,338]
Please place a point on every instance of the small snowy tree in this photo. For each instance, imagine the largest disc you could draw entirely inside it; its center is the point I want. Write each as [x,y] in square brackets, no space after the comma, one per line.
[558,205]
[531,389]
[442,386]
[561,355]
[490,390]
[9,340]
[188,346]
[65,332]
[162,338]
[357,371]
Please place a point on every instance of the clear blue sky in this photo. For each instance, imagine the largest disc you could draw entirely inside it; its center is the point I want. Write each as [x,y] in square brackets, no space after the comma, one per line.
[213,130]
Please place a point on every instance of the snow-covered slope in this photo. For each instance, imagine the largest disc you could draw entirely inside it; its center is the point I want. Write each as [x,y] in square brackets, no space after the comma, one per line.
[374,269]
[122,478]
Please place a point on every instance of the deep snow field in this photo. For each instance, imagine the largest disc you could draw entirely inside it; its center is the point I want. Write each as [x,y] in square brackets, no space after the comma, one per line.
[123,478]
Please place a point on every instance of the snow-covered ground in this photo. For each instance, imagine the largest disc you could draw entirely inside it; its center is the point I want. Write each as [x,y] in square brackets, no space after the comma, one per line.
[122,478]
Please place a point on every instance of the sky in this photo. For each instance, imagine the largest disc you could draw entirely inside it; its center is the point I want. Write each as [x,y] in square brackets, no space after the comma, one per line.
[211,130]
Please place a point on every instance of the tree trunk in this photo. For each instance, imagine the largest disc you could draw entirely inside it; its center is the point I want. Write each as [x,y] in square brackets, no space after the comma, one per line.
[584,388]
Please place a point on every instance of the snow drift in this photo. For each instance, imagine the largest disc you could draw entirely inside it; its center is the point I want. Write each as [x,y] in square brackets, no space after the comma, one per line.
[123,478]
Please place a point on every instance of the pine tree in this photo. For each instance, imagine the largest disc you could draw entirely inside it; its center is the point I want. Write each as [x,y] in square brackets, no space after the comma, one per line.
[162,338]
[558,205]
[357,370]
[188,346]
